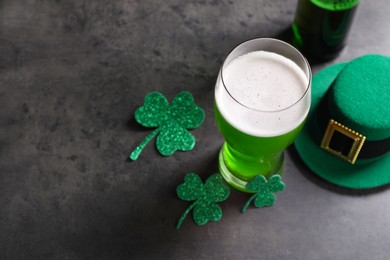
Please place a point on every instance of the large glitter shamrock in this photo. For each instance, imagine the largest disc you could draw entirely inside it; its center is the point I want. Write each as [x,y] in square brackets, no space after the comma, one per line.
[172,122]
[264,196]
[205,197]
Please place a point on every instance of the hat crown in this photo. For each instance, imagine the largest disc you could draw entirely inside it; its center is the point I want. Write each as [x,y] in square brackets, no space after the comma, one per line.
[359,96]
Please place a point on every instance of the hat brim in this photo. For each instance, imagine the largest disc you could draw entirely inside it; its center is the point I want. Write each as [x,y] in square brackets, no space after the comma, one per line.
[361,175]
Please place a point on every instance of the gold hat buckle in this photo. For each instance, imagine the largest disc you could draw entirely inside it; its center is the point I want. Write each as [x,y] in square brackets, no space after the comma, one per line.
[342,141]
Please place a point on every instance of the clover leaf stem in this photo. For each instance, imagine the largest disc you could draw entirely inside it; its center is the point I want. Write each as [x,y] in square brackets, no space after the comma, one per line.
[185,214]
[247,203]
[137,151]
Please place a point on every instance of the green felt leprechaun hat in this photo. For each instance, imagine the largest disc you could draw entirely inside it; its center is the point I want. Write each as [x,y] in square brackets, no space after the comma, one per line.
[346,138]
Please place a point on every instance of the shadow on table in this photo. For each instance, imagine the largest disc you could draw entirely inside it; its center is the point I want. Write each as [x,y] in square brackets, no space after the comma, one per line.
[314,178]
[286,35]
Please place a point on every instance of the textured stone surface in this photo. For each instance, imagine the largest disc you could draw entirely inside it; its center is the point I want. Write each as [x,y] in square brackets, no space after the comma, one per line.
[71,75]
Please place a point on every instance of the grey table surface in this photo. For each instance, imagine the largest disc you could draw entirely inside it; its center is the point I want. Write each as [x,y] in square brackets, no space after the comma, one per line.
[72,74]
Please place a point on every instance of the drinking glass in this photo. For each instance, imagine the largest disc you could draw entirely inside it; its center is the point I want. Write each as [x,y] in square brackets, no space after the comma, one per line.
[262,98]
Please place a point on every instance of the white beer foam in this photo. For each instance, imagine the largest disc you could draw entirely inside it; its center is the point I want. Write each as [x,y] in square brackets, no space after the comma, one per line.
[267,84]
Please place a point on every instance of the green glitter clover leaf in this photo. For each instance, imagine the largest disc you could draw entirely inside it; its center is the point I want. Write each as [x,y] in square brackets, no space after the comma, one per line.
[171,122]
[205,197]
[264,196]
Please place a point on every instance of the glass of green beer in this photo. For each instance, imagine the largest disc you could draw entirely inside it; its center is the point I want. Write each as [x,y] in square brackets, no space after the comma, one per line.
[262,98]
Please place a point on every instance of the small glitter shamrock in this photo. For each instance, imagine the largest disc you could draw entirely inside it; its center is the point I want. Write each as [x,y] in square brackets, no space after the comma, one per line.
[264,196]
[172,122]
[205,197]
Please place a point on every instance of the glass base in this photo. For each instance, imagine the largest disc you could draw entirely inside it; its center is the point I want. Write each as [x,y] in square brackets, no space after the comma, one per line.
[232,180]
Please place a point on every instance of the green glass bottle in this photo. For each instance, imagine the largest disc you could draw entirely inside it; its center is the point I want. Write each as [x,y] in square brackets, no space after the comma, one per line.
[321,27]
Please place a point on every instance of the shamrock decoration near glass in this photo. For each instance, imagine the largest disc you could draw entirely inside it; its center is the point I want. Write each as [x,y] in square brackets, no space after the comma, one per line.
[205,197]
[172,122]
[263,196]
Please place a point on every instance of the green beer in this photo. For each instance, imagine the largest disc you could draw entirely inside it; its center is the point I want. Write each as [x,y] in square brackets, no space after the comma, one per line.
[261,101]
[242,151]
